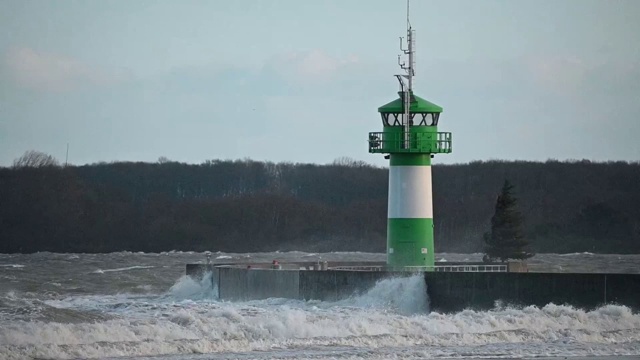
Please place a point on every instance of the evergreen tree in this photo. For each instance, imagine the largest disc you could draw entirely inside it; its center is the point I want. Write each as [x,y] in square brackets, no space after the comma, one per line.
[506,241]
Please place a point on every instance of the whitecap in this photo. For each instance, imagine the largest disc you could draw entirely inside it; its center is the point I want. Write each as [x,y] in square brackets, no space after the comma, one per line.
[137,267]
[406,295]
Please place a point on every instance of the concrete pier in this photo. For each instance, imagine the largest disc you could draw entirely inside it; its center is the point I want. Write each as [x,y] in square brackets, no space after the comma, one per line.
[457,291]
[447,291]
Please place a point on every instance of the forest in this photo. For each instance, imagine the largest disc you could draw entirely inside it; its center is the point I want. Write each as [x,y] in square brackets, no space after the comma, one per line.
[252,206]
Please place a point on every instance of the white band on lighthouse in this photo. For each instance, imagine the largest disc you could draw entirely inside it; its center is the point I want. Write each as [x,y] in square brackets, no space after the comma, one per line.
[410,192]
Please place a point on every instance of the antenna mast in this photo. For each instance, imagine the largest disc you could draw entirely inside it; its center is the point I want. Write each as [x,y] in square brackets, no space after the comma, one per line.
[409,68]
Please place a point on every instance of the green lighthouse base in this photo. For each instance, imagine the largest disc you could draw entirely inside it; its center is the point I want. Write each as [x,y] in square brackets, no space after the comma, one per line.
[410,243]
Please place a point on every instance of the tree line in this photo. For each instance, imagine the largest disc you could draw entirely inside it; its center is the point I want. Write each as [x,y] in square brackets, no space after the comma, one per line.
[250,206]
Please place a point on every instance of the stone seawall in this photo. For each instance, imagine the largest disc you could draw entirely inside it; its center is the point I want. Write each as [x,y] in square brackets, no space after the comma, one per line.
[447,291]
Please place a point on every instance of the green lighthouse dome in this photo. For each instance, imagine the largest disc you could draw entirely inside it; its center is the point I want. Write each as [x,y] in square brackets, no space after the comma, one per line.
[418,105]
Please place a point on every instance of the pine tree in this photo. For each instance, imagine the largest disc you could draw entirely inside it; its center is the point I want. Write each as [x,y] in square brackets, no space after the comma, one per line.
[506,241]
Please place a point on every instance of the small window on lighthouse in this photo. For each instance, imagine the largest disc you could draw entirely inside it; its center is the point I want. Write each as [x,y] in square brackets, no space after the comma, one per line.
[396,121]
[429,119]
[385,119]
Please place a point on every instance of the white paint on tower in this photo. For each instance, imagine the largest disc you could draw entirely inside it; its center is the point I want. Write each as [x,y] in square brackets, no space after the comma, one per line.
[410,192]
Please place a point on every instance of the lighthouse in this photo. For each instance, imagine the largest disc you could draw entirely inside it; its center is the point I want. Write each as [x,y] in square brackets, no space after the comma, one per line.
[410,137]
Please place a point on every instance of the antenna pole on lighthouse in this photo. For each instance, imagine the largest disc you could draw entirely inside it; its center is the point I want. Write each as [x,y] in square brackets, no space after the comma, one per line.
[410,72]
[410,51]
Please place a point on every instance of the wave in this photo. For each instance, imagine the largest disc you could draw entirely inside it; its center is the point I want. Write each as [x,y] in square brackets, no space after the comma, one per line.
[101,271]
[206,327]
[405,295]
[391,320]
[576,254]
[17,266]
[391,317]
[189,288]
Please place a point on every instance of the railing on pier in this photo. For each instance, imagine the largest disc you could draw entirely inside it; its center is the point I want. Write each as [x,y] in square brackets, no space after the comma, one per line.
[435,268]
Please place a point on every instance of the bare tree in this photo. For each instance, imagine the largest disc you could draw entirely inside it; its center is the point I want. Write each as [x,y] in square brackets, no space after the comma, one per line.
[347,161]
[163,160]
[35,159]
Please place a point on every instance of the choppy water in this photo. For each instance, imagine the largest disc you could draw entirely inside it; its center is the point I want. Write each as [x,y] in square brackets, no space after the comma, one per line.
[134,305]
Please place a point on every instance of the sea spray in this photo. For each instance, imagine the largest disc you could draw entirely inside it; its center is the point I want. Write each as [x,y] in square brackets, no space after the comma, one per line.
[188,287]
[184,317]
[405,295]
[136,267]
[167,325]
[170,327]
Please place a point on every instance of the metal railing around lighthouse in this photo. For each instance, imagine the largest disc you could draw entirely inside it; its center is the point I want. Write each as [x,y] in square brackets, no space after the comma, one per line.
[421,142]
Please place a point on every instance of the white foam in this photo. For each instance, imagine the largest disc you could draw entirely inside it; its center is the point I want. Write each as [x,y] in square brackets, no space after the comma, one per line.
[189,288]
[384,322]
[406,295]
[101,271]
[203,327]
[389,318]
[224,257]
[577,254]
[12,265]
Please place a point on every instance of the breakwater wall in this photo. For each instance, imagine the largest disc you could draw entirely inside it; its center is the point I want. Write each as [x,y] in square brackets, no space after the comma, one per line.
[447,291]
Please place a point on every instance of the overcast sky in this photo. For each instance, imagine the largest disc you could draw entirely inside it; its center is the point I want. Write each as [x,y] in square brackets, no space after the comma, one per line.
[300,81]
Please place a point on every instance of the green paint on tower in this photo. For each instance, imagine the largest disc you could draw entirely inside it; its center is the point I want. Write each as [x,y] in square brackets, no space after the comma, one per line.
[410,242]
[417,105]
[409,159]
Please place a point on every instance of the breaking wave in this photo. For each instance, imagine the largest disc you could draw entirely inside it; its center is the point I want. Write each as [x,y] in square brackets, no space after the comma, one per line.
[137,267]
[405,295]
[188,320]
[189,288]
[577,254]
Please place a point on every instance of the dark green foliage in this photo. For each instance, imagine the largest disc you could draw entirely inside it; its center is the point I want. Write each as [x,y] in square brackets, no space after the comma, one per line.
[506,240]
[239,206]
[233,206]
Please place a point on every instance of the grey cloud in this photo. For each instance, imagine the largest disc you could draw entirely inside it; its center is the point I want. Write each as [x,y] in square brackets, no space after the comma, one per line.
[54,72]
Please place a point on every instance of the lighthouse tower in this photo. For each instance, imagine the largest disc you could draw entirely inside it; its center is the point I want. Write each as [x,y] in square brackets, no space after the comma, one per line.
[410,137]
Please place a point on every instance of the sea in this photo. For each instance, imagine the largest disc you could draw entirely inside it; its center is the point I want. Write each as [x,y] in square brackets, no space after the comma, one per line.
[141,306]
